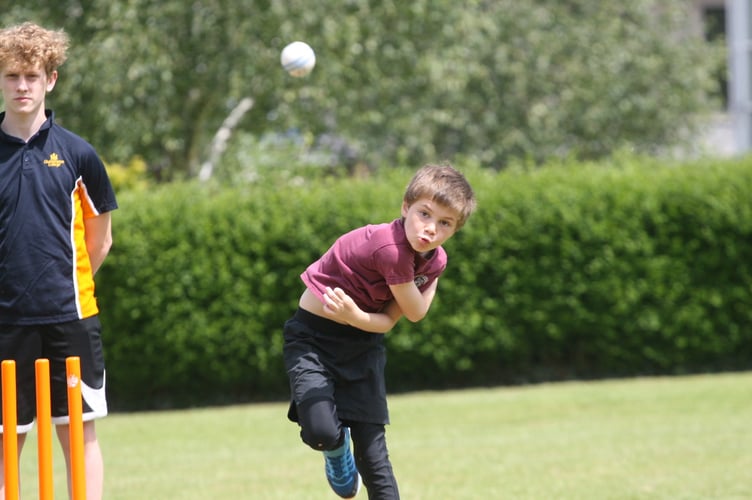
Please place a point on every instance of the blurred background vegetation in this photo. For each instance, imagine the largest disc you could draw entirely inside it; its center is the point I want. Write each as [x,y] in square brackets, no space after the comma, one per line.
[396,83]
[632,266]
[594,252]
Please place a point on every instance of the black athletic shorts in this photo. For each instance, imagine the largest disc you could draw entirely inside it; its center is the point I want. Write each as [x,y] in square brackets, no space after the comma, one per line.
[328,360]
[25,344]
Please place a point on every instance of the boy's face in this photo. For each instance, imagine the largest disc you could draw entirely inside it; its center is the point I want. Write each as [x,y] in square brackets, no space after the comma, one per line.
[428,224]
[24,88]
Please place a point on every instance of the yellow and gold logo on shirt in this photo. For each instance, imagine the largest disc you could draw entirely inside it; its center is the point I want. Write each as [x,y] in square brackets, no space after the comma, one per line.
[54,161]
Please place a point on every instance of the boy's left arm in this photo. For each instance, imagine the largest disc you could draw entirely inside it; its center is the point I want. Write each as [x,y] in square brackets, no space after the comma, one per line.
[98,236]
[341,307]
[413,302]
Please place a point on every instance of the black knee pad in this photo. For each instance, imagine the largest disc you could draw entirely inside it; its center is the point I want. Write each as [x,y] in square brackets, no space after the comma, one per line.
[320,426]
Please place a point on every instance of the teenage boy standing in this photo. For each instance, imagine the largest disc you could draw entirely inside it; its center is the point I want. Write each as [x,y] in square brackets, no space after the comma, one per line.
[55,232]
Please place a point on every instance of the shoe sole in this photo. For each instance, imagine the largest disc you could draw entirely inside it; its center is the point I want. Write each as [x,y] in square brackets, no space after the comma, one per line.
[357,490]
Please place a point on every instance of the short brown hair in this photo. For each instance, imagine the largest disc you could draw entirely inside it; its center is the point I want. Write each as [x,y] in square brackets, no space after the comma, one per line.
[28,44]
[445,185]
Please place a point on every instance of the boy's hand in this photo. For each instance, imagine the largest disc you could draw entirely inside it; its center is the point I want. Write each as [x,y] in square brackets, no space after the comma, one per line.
[340,307]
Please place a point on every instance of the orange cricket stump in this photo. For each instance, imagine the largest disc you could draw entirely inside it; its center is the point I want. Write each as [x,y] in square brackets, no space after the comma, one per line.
[44,429]
[75,412]
[10,432]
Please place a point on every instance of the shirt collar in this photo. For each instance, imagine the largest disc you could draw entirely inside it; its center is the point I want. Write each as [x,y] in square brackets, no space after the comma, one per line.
[45,126]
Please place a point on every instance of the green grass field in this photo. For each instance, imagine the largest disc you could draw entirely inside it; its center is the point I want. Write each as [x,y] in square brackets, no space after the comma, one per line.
[647,438]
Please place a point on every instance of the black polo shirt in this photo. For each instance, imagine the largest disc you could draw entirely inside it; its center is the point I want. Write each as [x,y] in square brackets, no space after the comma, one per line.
[48,186]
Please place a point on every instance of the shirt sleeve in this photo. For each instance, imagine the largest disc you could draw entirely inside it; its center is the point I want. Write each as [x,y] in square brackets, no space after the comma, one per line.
[97,182]
[395,264]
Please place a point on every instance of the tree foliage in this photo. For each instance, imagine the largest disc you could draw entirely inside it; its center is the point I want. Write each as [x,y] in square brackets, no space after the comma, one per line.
[395,81]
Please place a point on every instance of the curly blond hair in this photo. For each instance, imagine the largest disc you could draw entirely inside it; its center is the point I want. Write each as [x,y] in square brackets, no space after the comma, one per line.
[28,44]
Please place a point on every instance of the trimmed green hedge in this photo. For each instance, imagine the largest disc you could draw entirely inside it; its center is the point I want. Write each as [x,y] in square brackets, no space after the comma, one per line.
[568,271]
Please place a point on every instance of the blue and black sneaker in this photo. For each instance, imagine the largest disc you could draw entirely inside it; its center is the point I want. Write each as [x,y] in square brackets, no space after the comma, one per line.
[341,472]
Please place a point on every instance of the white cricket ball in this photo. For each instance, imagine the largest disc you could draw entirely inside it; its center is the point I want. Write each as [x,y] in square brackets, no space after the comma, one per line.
[298,59]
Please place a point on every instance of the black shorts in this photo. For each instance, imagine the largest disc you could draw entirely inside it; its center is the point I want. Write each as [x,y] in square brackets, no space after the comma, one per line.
[327,360]
[25,344]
